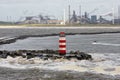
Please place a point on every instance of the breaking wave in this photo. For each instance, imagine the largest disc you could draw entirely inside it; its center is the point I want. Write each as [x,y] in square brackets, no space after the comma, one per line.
[101,63]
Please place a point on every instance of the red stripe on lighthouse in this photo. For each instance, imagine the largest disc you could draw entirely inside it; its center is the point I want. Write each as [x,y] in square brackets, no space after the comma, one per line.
[62,41]
[62,52]
[62,44]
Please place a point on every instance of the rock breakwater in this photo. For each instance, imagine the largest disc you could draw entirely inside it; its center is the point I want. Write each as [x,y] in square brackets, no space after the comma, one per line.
[45,54]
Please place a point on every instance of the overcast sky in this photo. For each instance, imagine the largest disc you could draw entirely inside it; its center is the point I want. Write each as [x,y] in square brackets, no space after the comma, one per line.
[14,9]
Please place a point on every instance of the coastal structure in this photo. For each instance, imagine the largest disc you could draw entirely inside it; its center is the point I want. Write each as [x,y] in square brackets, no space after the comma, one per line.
[62,44]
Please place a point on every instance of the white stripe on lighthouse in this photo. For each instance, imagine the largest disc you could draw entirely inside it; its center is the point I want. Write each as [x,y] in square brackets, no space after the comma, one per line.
[62,38]
[62,43]
[62,48]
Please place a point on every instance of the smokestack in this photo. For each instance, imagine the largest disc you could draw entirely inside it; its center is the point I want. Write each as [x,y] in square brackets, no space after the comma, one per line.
[69,14]
[119,12]
[80,11]
[113,12]
[64,17]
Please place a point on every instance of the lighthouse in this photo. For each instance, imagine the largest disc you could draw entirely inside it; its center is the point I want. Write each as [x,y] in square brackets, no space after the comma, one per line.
[62,44]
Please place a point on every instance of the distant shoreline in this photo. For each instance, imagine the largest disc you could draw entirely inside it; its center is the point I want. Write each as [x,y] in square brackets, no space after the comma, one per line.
[57,25]
[43,30]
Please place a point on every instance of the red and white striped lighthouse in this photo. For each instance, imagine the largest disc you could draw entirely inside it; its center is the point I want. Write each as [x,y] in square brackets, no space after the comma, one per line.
[62,43]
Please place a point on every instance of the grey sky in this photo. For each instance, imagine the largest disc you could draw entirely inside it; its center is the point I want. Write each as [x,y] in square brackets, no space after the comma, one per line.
[21,8]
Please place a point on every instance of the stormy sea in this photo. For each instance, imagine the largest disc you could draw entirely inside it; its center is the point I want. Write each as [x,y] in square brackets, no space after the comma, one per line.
[104,48]
[103,44]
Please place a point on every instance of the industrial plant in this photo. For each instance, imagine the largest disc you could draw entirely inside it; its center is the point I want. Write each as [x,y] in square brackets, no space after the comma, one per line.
[71,17]
[87,18]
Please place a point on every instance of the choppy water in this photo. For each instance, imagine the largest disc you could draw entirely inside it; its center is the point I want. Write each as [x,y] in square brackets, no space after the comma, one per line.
[97,43]
[105,49]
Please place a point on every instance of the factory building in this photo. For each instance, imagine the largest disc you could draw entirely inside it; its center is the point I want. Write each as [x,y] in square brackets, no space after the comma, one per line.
[116,21]
[35,20]
[94,19]
[102,20]
[41,20]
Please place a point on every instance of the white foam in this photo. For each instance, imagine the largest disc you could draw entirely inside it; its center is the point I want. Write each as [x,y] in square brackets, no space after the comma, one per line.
[100,63]
[106,44]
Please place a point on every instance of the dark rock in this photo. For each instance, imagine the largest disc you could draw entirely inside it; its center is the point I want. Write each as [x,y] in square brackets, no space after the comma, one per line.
[3,54]
[45,54]
[12,54]
[79,57]
[45,58]
[83,55]
[69,56]
[30,55]
[39,55]
[71,52]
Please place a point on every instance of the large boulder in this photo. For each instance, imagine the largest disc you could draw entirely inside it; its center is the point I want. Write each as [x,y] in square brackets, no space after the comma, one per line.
[3,54]
[78,55]
[83,56]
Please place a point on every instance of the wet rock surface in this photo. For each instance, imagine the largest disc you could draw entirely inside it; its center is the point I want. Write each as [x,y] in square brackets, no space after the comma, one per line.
[45,54]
